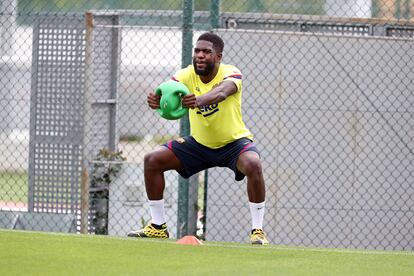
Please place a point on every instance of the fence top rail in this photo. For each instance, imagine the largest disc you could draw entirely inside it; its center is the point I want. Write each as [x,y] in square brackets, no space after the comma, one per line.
[273,22]
[317,18]
[259,16]
[243,18]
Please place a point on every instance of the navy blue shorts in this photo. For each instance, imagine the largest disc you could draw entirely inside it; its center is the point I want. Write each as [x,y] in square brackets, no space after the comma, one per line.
[196,157]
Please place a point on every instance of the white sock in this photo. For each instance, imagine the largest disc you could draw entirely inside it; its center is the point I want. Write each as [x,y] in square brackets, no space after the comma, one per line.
[257,212]
[157,211]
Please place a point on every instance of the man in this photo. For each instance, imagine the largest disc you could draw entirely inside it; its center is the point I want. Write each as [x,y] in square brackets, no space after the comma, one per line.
[218,137]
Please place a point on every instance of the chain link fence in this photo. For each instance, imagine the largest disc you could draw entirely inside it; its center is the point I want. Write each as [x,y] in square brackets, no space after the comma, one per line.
[328,95]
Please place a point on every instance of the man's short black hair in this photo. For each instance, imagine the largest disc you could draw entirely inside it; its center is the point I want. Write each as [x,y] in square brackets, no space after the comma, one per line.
[218,43]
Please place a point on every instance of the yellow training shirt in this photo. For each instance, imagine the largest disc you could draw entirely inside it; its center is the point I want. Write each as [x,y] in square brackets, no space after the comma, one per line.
[215,125]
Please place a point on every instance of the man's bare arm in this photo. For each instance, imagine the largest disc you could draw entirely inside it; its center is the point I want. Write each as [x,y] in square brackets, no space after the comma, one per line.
[215,95]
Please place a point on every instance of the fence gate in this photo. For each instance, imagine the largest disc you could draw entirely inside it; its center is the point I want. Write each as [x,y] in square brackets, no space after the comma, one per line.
[68,127]
[55,147]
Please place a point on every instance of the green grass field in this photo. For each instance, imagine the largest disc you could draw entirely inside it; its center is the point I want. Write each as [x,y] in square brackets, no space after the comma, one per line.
[34,253]
[13,186]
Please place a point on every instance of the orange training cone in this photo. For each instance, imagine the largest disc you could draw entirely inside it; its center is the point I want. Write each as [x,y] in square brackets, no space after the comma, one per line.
[189,240]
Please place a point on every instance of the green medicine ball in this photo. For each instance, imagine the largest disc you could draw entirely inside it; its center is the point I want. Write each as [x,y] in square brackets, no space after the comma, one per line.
[171,93]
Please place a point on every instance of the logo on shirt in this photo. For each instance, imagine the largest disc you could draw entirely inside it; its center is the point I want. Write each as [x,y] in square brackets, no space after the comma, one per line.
[207,110]
[180,140]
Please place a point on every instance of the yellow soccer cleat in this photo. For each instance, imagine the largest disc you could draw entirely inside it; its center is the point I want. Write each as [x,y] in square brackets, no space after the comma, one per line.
[150,231]
[258,236]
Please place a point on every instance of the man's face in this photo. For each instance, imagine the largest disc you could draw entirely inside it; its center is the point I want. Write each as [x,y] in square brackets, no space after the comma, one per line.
[205,58]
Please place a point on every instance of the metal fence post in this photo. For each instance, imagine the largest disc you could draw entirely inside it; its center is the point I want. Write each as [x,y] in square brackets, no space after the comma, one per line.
[215,14]
[100,108]
[183,184]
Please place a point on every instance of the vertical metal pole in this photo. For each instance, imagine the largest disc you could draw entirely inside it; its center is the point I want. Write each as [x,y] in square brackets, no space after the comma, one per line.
[407,9]
[113,104]
[183,184]
[205,202]
[84,201]
[33,102]
[89,21]
[215,14]
[375,8]
[398,9]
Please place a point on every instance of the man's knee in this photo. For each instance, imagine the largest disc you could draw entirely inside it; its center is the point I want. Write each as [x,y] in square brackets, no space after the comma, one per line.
[252,166]
[151,160]
[161,160]
[255,167]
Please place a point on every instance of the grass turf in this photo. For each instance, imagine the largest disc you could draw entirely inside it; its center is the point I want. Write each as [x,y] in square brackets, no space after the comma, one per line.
[13,186]
[34,253]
